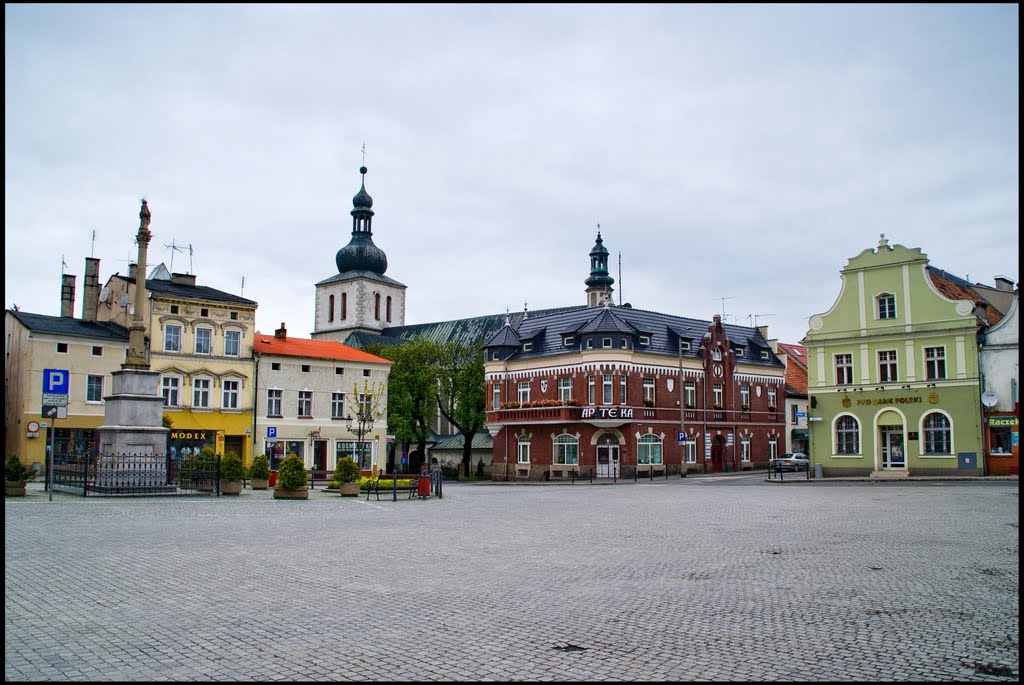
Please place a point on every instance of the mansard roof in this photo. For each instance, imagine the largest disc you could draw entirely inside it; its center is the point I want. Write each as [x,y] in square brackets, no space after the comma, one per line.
[189,292]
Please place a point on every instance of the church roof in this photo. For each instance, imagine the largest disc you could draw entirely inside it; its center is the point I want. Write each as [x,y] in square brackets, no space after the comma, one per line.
[368,275]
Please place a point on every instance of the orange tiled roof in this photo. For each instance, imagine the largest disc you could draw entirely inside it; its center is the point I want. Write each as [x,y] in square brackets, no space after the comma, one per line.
[316,349]
[796,352]
[954,291]
[796,378]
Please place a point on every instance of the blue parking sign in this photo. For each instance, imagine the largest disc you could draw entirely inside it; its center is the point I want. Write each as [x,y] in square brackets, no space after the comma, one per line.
[55,381]
[271,431]
[682,438]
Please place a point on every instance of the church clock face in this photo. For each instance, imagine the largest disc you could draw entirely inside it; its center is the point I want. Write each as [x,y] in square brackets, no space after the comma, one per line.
[717,370]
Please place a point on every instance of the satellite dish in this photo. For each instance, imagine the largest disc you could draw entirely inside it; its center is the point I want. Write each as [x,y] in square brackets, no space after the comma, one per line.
[131,309]
[104,293]
[124,300]
[989,398]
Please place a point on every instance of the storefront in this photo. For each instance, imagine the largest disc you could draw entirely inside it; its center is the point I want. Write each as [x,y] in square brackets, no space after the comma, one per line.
[1002,445]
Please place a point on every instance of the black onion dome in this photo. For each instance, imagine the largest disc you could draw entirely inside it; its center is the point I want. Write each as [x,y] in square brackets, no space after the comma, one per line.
[362,198]
[361,255]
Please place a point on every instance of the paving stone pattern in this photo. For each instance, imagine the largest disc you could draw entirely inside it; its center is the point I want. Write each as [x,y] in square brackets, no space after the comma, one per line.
[673,580]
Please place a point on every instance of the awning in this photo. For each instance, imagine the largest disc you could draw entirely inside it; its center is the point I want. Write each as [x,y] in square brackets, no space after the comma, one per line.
[800,434]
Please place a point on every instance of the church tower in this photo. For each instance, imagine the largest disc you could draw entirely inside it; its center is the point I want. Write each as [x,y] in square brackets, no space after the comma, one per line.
[599,283]
[359,297]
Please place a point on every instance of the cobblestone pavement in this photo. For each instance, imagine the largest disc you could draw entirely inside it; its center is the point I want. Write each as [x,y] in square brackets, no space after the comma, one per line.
[673,580]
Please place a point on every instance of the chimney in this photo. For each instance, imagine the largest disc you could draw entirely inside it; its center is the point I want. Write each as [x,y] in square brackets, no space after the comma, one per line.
[763,330]
[67,296]
[1003,283]
[91,293]
[133,269]
[281,333]
[183,279]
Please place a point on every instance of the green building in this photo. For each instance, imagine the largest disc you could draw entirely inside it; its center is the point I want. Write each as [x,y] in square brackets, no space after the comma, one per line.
[893,383]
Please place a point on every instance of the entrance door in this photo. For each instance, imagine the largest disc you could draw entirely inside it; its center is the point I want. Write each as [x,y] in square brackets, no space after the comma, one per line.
[608,459]
[892,448]
[320,455]
[718,453]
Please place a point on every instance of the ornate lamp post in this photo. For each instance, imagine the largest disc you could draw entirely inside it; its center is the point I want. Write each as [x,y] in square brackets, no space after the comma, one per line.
[362,424]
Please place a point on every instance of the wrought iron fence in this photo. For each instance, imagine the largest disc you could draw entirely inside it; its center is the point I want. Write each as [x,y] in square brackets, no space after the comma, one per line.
[136,474]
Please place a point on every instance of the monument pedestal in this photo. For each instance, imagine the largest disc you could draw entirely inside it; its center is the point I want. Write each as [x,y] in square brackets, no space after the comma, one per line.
[133,440]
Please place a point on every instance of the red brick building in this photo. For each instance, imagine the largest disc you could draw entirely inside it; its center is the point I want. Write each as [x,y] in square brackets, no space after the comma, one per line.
[607,390]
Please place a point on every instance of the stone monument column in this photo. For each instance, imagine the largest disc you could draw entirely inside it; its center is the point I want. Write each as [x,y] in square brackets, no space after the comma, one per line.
[133,440]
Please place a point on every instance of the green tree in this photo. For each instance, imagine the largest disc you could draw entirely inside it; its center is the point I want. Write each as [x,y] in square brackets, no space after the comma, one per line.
[460,393]
[411,388]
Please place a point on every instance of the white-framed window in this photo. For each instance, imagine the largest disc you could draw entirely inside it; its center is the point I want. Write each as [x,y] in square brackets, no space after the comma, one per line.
[523,445]
[568,340]
[764,354]
[684,345]
[691,449]
[740,351]
[590,343]
[172,337]
[773,447]
[201,392]
[566,450]
[528,347]
[524,391]
[590,390]
[496,396]
[716,395]
[606,342]
[745,448]
[232,343]
[97,351]
[622,389]
[565,389]
[844,369]
[229,396]
[274,403]
[934,363]
[937,434]
[887,367]
[204,340]
[606,388]
[716,354]
[648,449]
[645,340]
[771,398]
[62,348]
[169,388]
[847,435]
[649,386]
[338,405]
[690,394]
[745,395]
[886,306]
[305,403]
[93,388]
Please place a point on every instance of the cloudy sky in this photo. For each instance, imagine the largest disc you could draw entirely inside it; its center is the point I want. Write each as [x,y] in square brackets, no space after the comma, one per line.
[739,152]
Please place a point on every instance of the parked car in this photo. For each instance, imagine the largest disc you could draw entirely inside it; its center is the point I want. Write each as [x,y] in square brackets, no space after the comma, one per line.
[797,461]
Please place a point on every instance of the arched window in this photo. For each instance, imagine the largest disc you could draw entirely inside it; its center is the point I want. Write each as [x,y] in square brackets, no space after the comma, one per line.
[847,435]
[524,449]
[344,306]
[886,306]
[330,308]
[376,306]
[567,450]
[937,439]
[389,309]
[648,449]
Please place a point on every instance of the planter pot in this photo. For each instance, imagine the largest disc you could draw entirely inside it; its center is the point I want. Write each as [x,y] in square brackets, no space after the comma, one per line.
[260,483]
[349,489]
[14,488]
[231,487]
[297,493]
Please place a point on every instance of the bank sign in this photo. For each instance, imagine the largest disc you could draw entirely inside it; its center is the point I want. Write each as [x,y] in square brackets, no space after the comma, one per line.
[607,412]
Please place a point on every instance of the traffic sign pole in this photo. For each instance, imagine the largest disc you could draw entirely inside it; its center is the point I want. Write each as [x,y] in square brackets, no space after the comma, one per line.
[49,470]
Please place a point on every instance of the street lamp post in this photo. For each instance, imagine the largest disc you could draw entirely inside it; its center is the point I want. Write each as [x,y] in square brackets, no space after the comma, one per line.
[361,425]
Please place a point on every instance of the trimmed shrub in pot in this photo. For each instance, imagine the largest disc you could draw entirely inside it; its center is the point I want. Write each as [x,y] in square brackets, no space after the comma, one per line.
[15,477]
[291,479]
[346,477]
[231,474]
[259,472]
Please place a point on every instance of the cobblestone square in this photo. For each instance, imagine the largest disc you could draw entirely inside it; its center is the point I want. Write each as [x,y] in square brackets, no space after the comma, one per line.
[720,579]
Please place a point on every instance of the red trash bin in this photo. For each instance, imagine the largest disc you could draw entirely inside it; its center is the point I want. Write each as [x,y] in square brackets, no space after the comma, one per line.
[273,478]
[424,486]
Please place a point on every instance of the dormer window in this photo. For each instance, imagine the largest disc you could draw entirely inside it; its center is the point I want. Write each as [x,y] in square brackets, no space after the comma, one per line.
[590,343]
[494,356]
[684,346]
[764,354]
[739,351]
[606,342]
[622,343]
[568,340]
[645,340]
[528,347]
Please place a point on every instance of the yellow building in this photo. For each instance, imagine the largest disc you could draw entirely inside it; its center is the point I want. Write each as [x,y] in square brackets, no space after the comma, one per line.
[200,341]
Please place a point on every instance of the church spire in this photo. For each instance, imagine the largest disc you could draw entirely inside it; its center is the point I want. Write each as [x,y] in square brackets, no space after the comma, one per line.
[599,283]
[361,254]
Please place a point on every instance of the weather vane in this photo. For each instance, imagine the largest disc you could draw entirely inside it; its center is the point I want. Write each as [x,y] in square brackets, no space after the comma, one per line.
[364,154]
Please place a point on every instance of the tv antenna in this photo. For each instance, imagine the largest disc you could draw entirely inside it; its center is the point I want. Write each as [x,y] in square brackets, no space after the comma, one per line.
[752,318]
[241,294]
[63,264]
[723,299]
[174,248]
[92,248]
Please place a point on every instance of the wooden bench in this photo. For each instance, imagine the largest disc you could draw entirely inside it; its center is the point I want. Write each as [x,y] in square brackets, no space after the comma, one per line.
[387,486]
